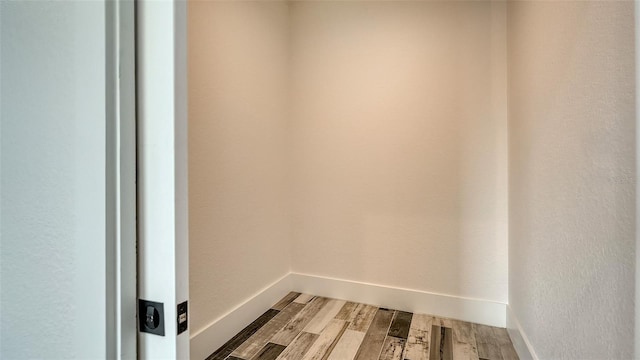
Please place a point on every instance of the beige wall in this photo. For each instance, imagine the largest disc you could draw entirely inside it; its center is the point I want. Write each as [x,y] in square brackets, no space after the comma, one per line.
[358,140]
[571,169]
[238,208]
[398,144]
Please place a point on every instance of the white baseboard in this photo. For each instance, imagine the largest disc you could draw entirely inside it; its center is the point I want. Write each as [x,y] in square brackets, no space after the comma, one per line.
[204,342]
[209,339]
[519,338]
[455,307]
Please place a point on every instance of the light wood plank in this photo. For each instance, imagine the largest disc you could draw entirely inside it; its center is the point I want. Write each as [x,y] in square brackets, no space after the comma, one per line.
[504,342]
[298,347]
[294,327]
[464,340]
[392,348]
[374,339]
[304,298]
[508,352]
[362,317]
[346,311]
[324,316]
[257,341]
[417,346]
[436,342]
[327,340]
[269,352]
[441,344]
[485,339]
[447,351]
[347,346]
[286,300]
[501,336]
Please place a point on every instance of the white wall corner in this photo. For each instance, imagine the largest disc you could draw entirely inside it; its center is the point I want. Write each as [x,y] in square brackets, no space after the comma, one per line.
[207,340]
[518,337]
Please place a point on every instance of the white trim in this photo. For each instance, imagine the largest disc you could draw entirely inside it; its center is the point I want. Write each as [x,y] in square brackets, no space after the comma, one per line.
[450,306]
[519,338]
[163,243]
[207,340]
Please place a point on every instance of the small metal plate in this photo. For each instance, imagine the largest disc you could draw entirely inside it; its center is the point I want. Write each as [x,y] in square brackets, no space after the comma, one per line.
[183,317]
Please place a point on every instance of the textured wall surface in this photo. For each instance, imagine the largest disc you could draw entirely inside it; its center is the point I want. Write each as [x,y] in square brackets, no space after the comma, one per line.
[52,105]
[398,144]
[238,207]
[571,168]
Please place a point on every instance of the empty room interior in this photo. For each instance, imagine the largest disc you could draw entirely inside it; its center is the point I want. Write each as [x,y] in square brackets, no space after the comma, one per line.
[408,179]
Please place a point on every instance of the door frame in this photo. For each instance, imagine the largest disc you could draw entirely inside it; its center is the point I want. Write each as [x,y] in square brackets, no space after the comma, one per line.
[163,241]
[147,253]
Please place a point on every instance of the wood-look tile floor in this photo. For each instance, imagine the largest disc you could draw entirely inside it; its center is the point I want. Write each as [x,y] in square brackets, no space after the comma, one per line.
[302,326]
